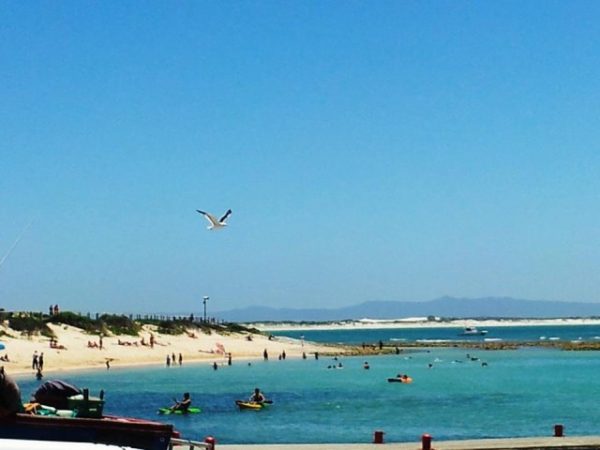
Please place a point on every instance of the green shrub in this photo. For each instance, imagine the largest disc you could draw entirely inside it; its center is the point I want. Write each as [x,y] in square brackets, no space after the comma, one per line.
[173,327]
[29,325]
[120,324]
[237,328]
[78,321]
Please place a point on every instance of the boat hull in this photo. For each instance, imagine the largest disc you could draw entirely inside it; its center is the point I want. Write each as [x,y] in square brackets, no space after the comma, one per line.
[129,432]
[249,405]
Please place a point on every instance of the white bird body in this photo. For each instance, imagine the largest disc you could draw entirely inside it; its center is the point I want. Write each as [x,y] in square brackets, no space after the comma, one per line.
[213,222]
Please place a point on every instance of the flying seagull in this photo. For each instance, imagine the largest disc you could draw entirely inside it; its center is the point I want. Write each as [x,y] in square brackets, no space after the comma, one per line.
[213,222]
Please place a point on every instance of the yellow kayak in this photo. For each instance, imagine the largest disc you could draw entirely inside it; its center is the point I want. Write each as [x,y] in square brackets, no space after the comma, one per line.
[251,405]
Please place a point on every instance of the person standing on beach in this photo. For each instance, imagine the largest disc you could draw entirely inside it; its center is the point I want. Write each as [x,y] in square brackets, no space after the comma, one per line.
[168,360]
[180,359]
[41,362]
[34,361]
[265,355]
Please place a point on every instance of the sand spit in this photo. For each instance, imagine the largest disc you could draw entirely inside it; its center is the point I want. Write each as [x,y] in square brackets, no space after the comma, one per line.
[74,349]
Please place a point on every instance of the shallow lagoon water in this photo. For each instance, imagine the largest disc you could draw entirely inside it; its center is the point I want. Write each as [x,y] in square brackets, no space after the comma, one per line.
[519,393]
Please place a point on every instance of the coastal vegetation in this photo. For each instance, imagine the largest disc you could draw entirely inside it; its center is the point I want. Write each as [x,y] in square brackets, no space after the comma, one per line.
[35,323]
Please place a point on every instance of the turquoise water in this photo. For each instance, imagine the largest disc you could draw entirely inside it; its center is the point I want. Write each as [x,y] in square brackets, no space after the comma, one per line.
[519,393]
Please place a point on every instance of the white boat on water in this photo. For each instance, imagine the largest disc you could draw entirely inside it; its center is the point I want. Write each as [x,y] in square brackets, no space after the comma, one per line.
[472,331]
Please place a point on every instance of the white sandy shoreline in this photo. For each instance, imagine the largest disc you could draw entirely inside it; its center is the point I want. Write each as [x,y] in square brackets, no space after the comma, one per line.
[205,348]
[75,354]
[372,324]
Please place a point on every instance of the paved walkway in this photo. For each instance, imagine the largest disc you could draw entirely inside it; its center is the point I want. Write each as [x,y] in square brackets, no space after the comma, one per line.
[567,443]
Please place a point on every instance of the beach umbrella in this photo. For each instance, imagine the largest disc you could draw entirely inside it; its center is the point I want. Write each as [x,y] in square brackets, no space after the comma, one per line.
[2,346]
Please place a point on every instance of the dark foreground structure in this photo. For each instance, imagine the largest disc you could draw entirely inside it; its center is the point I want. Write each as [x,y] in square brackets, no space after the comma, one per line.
[533,443]
[136,433]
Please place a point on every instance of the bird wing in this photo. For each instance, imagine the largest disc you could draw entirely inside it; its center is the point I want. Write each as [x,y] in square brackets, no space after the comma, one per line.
[209,217]
[225,216]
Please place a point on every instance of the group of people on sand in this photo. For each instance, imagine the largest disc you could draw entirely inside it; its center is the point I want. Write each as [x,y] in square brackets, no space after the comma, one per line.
[93,344]
[55,345]
[150,343]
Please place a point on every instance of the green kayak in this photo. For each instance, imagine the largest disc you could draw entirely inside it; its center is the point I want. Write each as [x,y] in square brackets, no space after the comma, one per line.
[190,410]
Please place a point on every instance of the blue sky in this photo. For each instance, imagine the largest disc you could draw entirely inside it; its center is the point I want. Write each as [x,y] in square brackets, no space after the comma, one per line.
[369,151]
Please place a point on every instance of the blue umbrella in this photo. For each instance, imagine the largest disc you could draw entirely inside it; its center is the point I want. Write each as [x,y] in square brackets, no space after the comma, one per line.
[2,346]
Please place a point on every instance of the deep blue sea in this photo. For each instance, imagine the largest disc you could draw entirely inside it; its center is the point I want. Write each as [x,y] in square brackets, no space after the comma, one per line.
[588,333]
[518,393]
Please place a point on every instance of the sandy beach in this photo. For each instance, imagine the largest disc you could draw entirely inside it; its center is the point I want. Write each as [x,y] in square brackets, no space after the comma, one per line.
[72,350]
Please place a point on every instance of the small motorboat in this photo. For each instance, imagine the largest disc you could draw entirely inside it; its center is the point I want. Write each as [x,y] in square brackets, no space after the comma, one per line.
[472,331]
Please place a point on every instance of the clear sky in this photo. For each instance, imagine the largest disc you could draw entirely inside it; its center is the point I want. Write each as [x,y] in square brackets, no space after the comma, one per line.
[372,150]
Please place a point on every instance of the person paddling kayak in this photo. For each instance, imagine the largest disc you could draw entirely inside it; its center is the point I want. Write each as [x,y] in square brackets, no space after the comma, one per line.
[257,397]
[184,404]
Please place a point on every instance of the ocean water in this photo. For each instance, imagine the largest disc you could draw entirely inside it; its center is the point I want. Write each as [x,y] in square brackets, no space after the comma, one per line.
[518,393]
[590,333]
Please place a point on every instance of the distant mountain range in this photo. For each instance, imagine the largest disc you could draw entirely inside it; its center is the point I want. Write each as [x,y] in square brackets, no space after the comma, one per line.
[446,307]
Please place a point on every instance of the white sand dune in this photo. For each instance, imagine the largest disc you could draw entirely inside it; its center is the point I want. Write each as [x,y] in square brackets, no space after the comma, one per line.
[422,322]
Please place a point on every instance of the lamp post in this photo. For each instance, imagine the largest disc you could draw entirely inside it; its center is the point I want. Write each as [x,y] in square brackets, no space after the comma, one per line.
[204,300]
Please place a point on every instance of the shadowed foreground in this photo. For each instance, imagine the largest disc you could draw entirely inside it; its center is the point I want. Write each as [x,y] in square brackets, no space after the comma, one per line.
[533,443]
